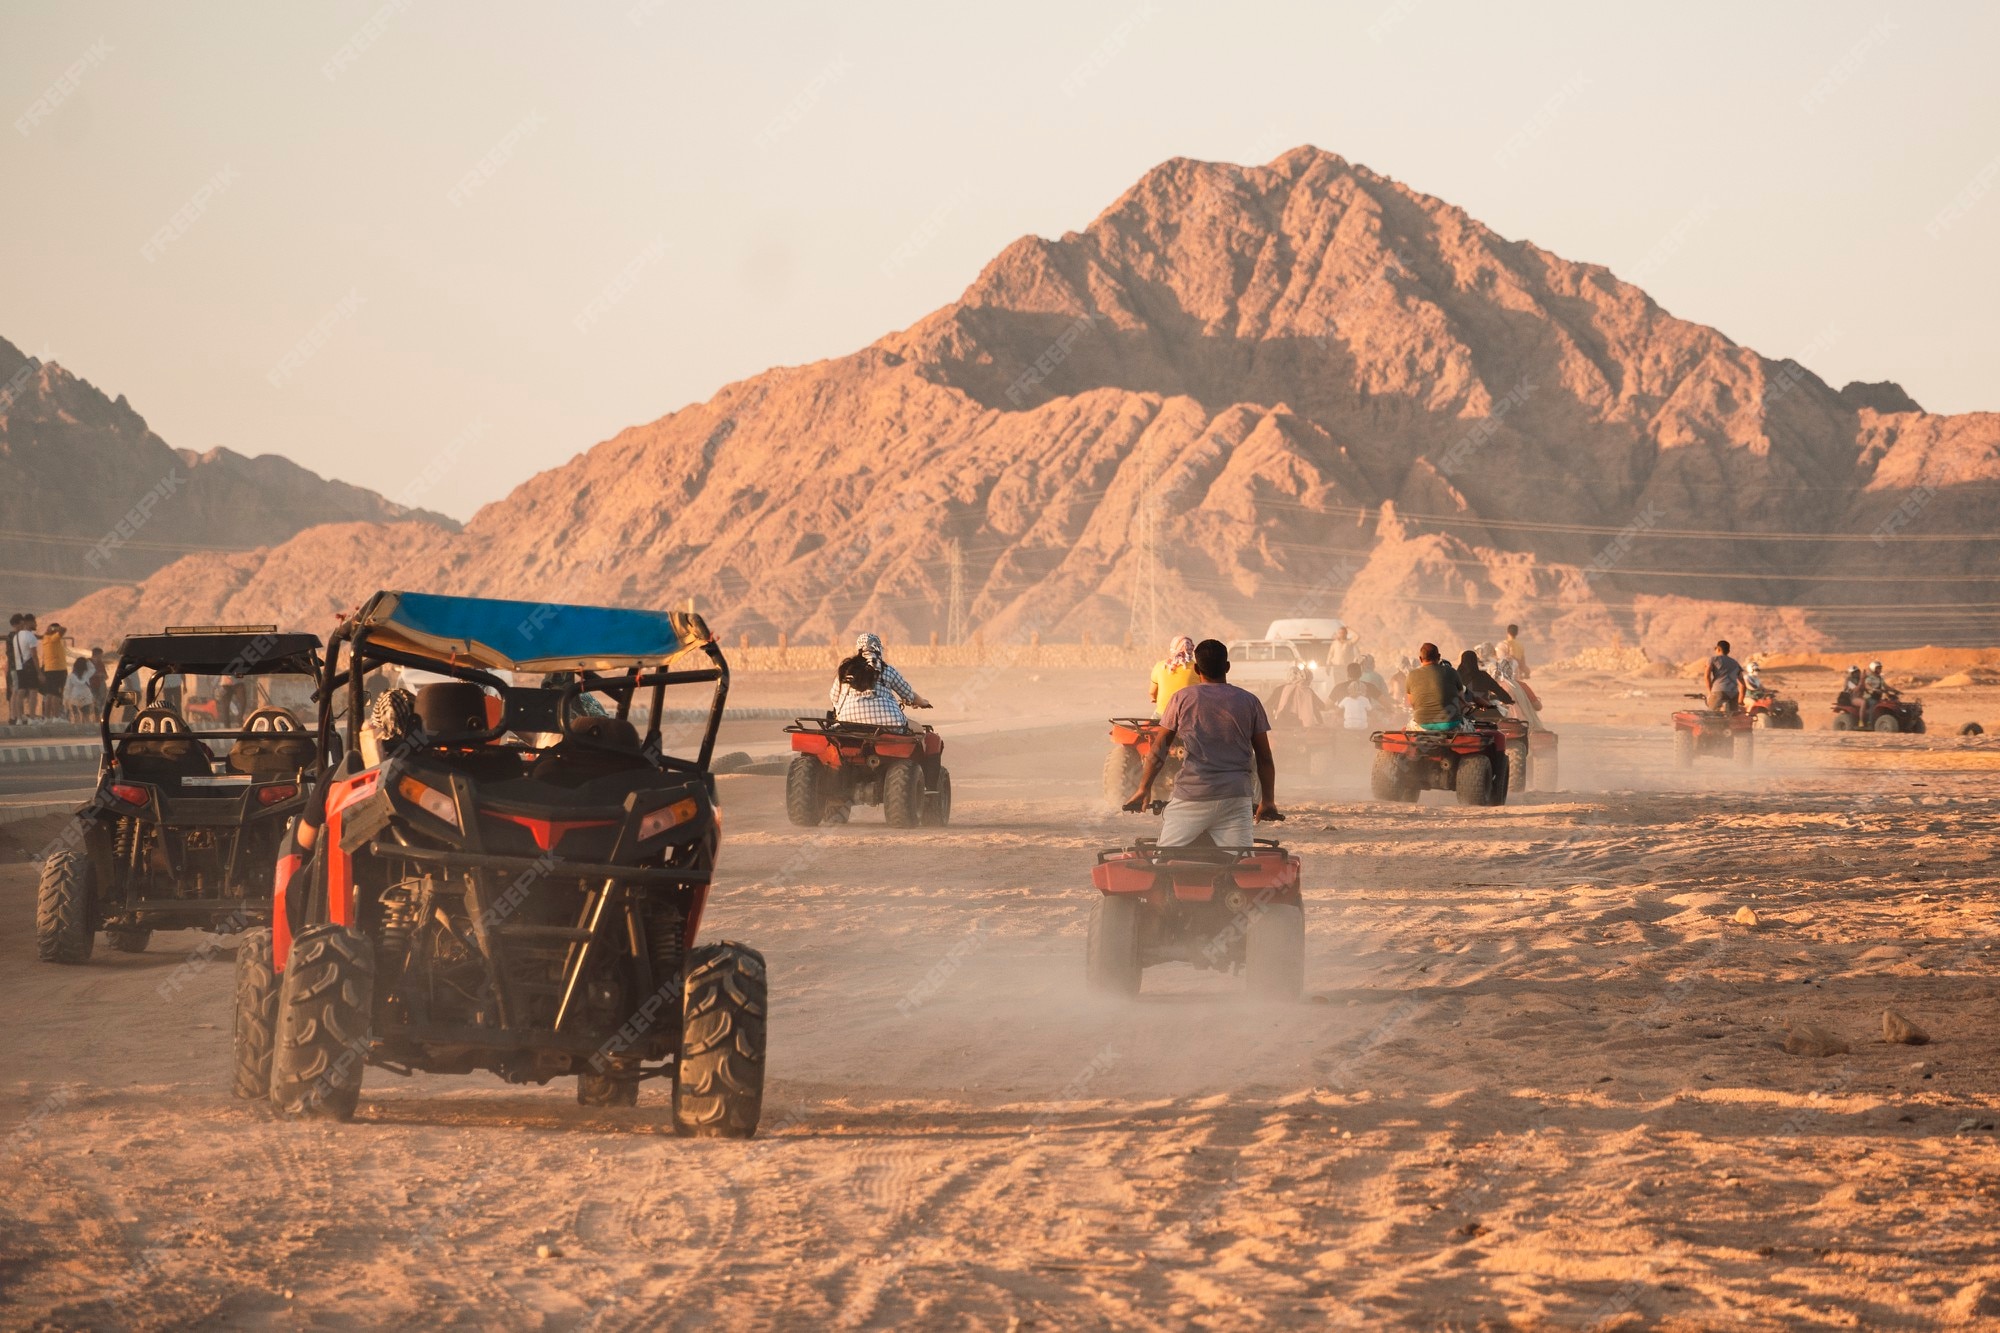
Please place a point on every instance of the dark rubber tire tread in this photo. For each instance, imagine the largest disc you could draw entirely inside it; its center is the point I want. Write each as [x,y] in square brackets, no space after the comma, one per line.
[719,1079]
[1111,964]
[1473,782]
[804,802]
[325,1005]
[129,940]
[903,794]
[256,1028]
[1122,770]
[62,910]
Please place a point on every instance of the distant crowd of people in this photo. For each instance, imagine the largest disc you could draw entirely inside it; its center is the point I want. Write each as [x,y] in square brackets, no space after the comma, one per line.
[48,679]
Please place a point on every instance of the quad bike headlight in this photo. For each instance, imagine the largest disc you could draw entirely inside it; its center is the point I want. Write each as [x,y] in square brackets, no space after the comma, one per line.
[428,799]
[659,821]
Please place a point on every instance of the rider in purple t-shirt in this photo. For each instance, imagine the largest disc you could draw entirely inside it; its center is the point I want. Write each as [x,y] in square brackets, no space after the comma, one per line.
[1226,737]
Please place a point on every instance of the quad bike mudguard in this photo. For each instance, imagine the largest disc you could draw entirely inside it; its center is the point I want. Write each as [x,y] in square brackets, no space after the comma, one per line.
[1266,872]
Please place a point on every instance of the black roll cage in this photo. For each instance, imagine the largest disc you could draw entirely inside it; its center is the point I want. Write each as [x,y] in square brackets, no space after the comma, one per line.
[365,656]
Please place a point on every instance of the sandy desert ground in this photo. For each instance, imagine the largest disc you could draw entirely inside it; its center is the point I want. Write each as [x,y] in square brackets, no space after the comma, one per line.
[1539,1079]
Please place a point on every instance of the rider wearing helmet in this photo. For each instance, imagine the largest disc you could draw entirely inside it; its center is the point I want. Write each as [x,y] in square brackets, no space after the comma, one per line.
[1873,687]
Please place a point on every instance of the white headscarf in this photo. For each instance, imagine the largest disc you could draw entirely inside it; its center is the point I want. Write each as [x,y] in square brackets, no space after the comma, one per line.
[1180,652]
[870,647]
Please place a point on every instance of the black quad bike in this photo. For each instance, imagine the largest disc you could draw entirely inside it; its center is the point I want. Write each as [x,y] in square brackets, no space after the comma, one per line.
[839,765]
[184,828]
[515,884]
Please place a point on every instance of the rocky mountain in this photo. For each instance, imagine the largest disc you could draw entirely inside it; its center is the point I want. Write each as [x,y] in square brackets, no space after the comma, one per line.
[1243,393]
[90,497]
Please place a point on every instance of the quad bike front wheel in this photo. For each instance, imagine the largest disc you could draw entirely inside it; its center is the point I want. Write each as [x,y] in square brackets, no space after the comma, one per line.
[903,794]
[1274,953]
[325,1003]
[256,1026]
[62,910]
[1122,770]
[937,804]
[719,1078]
[804,801]
[1111,950]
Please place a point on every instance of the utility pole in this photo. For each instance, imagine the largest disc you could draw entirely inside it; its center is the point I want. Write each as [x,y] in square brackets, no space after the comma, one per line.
[954,623]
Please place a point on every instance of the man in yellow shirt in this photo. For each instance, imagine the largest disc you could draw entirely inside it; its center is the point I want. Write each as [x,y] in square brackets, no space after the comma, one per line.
[1173,674]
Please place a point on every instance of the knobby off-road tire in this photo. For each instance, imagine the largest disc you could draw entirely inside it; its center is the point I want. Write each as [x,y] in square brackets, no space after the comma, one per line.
[1887,723]
[1520,768]
[1111,949]
[605,1088]
[1388,779]
[903,794]
[130,940]
[1274,953]
[1972,729]
[325,1003]
[1917,727]
[1122,770]
[1474,780]
[1842,722]
[804,803]
[1683,748]
[256,1030]
[62,910]
[937,804]
[719,1079]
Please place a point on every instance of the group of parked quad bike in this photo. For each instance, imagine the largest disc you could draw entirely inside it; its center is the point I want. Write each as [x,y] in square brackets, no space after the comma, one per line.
[474,875]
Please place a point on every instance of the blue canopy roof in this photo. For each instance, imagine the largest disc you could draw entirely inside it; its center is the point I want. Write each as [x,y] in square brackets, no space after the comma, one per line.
[527,636]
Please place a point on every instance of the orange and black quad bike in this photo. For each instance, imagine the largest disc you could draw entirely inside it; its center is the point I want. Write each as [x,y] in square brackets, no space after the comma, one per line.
[839,765]
[1229,910]
[206,758]
[1471,762]
[513,879]
[1133,740]
[1714,733]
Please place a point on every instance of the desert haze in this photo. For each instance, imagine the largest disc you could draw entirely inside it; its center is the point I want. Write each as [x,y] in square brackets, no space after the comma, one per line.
[1329,393]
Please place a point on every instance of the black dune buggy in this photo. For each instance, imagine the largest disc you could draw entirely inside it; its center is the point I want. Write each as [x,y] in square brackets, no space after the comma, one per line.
[516,884]
[184,827]
[838,765]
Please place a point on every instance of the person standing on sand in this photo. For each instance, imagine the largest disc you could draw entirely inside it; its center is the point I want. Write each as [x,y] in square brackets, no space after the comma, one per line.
[1227,741]
[1724,680]
[24,655]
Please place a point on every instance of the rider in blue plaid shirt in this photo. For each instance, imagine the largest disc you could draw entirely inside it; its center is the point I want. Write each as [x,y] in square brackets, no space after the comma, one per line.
[883,705]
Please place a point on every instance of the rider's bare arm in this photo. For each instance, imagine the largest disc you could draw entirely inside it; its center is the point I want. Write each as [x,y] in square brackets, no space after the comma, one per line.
[1161,745]
[1267,778]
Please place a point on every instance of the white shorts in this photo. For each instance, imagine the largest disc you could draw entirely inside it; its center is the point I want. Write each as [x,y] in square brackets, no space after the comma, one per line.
[1230,822]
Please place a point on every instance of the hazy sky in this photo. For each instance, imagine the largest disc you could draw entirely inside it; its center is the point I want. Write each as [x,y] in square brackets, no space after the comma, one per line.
[434,247]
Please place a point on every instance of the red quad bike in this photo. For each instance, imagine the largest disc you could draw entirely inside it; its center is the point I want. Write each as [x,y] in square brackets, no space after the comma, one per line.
[1770,712]
[1892,713]
[1721,734]
[1217,908]
[186,824]
[1531,753]
[836,765]
[1133,740]
[517,884]
[1472,762]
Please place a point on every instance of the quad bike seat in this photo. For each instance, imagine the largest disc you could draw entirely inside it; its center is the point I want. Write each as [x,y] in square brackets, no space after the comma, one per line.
[595,747]
[157,748]
[279,747]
